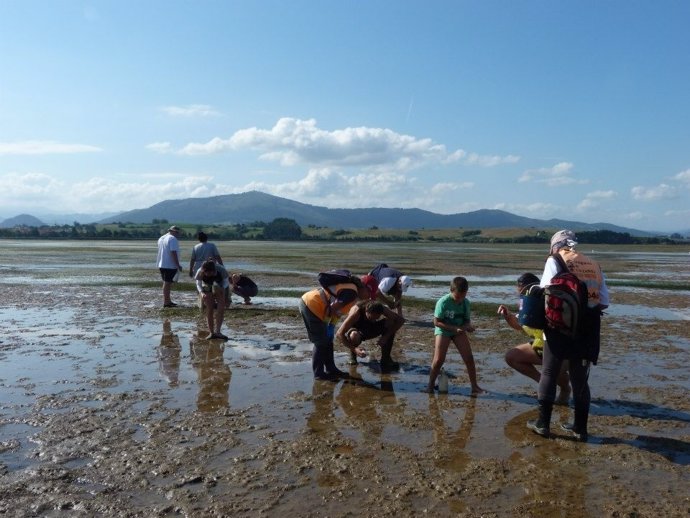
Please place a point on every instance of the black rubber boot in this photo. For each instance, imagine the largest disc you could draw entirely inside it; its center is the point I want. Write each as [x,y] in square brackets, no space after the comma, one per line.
[329,364]
[542,425]
[579,427]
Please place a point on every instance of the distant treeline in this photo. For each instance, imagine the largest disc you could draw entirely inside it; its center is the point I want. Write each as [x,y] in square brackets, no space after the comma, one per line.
[290,230]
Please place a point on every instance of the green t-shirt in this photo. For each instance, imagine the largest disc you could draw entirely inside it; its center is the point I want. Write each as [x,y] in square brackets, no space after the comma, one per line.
[450,312]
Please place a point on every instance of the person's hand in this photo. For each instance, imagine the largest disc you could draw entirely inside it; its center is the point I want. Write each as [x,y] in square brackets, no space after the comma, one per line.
[361,353]
[502,310]
[469,328]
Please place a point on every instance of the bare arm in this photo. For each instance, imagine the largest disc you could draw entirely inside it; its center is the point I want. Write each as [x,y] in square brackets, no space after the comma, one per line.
[449,327]
[341,333]
[395,322]
[509,317]
[388,300]
[176,259]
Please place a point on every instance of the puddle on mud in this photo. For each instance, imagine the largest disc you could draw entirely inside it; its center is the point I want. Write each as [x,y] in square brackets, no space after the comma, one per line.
[110,405]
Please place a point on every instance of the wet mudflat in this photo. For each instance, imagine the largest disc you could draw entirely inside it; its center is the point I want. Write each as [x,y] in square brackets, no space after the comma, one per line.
[110,405]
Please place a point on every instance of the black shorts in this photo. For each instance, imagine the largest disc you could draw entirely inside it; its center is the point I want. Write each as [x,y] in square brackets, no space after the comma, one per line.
[371,329]
[168,274]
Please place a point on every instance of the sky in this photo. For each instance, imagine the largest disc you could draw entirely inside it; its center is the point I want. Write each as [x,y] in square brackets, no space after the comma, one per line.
[546,109]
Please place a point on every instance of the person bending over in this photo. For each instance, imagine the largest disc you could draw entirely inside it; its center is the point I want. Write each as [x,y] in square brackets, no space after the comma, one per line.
[370,319]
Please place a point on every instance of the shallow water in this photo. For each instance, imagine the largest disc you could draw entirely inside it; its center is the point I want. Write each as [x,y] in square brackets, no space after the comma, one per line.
[113,406]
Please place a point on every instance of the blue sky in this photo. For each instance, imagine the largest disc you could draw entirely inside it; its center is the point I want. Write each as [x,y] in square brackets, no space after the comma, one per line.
[577,110]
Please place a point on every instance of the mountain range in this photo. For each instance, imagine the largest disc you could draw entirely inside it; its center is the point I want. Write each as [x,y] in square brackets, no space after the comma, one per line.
[258,206]
[255,206]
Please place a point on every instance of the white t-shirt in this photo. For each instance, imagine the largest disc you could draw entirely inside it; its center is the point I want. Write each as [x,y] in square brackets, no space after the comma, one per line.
[166,245]
[387,284]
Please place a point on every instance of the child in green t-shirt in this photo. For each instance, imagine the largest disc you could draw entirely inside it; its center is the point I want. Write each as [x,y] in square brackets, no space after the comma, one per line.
[452,323]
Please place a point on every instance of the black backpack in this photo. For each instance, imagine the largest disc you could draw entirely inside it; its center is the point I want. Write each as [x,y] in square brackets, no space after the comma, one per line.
[333,277]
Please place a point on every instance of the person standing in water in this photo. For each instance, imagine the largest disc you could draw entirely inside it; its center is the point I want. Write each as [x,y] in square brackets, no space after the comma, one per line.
[168,262]
[581,350]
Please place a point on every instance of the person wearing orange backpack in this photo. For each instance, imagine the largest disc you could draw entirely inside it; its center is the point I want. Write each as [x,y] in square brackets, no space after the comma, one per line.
[321,308]
[582,349]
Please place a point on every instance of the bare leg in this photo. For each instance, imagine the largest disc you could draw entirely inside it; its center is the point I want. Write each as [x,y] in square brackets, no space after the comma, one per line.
[220,310]
[209,303]
[523,359]
[166,292]
[441,344]
[463,345]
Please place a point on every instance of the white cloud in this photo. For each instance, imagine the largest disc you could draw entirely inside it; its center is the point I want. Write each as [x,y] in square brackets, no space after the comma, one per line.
[538,210]
[331,187]
[103,194]
[160,147]
[191,110]
[491,161]
[448,187]
[555,176]
[660,192]
[683,176]
[684,213]
[215,145]
[44,147]
[27,186]
[37,191]
[296,141]
[595,199]
[634,216]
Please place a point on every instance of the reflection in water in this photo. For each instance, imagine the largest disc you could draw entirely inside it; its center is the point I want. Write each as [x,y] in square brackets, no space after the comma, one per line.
[364,403]
[212,372]
[556,478]
[169,355]
[322,419]
[449,443]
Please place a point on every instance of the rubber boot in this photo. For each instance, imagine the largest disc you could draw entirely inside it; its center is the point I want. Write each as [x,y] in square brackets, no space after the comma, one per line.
[317,364]
[329,363]
[387,363]
[579,427]
[542,425]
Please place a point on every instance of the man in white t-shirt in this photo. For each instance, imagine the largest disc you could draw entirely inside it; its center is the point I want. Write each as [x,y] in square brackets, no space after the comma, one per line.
[168,262]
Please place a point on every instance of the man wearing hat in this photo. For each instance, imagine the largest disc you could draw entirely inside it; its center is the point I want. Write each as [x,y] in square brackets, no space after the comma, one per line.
[169,262]
[582,349]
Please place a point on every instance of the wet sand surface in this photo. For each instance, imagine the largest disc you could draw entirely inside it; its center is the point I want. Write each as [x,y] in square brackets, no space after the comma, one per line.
[111,405]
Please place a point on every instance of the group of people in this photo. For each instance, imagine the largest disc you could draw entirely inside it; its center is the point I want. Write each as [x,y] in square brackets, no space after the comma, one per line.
[372,307]
[565,360]
[213,282]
